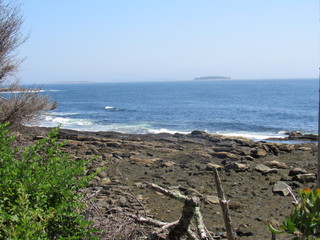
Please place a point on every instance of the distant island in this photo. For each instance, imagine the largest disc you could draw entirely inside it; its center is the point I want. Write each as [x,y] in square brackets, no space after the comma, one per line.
[208,78]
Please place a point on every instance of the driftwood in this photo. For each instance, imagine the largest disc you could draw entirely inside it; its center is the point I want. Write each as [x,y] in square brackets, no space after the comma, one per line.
[181,227]
[224,206]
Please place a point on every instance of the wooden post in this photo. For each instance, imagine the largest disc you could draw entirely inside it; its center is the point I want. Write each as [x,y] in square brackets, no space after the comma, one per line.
[224,206]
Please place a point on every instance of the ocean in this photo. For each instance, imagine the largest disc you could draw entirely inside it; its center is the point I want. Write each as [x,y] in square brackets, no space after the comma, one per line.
[257,109]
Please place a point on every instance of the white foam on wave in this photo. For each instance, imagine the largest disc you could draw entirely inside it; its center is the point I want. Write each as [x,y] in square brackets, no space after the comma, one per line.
[25,91]
[50,121]
[163,130]
[53,90]
[61,113]
[253,135]
[108,107]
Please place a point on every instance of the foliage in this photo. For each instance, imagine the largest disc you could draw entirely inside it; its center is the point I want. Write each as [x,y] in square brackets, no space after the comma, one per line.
[39,191]
[304,221]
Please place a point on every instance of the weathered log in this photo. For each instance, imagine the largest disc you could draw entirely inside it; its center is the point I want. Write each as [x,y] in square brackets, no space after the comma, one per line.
[180,227]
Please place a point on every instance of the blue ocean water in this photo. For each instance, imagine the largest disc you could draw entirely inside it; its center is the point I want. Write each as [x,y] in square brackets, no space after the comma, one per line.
[253,108]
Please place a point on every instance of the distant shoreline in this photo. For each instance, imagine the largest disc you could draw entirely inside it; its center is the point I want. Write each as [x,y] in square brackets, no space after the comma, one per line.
[211,78]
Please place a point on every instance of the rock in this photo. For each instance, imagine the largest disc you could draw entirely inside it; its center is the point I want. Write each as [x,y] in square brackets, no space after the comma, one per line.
[103,174]
[224,155]
[273,148]
[114,144]
[303,178]
[281,188]
[305,149]
[168,164]
[237,167]
[259,152]
[210,199]
[234,205]
[296,171]
[249,158]
[286,147]
[300,136]
[264,169]
[211,166]
[105,181]
[197,132]
[38,137]
[123,201]
[276,164]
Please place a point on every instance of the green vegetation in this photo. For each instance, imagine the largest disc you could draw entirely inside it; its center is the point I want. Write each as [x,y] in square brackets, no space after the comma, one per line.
[304,221]
[39,191]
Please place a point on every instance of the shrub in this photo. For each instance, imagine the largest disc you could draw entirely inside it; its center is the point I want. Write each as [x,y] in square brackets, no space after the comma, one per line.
[23,107]
[304,221]
[39,191]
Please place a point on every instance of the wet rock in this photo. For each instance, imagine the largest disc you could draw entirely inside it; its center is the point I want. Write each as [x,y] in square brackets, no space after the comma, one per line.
[265,169]
[276,164]
[259,152]
[296,171]
[281,188]
[303,178]
[300,136]
[211,166]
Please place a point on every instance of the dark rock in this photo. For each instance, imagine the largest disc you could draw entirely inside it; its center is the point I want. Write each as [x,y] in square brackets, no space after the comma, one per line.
[38,137]
[114,144]
[304,178]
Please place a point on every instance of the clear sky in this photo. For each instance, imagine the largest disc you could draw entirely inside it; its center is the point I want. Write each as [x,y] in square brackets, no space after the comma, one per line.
[128,40]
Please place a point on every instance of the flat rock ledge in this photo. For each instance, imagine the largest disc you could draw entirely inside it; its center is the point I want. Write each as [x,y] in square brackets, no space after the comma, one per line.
[255,175]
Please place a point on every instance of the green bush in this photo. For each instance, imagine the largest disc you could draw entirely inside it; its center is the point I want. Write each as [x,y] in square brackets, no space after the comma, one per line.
[39,191]
[304,221]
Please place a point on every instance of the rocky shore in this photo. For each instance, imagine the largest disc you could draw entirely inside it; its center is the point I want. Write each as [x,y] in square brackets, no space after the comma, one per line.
[253,174]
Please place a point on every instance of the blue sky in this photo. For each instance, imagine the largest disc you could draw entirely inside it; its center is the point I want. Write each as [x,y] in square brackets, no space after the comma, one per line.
[126,40]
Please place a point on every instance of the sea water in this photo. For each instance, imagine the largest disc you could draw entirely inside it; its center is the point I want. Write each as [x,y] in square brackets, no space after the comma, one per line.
[257,109]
